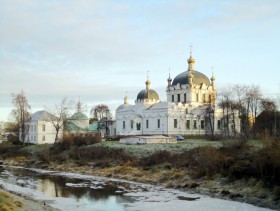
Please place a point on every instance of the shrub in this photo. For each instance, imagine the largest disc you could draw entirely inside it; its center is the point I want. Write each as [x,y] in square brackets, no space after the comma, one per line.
[61,157]
[241,169]
[86,139]
[158,157]
[44,157]
[207,161]
[267,162]
[234,144]
[88,153]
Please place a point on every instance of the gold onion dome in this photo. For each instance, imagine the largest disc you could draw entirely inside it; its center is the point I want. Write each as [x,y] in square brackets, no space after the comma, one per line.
[198,77]
[148,83]
[191,60]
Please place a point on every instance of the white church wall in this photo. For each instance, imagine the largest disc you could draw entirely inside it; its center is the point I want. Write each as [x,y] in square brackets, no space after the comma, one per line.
[42,132]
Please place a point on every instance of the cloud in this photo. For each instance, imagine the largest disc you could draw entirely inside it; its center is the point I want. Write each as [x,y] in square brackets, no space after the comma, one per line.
[100,49]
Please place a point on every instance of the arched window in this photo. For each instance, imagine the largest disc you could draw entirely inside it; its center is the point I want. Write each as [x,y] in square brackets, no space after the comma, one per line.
[194,124]
[138,126]
[203,98]
[188,124]
[187,111]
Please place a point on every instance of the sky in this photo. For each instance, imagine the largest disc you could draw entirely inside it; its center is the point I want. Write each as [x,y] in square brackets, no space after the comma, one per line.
[100,50]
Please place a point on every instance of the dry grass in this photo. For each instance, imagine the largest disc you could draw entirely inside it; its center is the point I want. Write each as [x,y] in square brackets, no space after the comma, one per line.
[7,203]
[267,162]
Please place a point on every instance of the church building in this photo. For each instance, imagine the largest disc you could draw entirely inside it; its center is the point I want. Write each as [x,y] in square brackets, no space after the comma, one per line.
[190,108]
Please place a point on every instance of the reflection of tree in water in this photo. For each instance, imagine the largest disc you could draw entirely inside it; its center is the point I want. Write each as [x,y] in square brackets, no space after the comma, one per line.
[53,185]
[79,192]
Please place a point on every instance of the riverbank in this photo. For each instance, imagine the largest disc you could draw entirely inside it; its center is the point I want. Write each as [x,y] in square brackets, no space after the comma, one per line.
[14,201]
[186,166]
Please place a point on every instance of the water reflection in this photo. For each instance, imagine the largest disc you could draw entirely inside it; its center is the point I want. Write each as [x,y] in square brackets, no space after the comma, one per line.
[85,191]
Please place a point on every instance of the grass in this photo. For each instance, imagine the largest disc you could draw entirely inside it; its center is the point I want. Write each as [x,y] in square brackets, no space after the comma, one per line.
[8,203]
[149,149]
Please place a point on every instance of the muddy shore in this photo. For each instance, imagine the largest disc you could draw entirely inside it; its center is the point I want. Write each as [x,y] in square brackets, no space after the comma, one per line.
[27,203]
[230,170]
[240,190]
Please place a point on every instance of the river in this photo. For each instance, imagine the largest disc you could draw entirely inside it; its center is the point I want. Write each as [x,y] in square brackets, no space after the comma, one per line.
[69,191]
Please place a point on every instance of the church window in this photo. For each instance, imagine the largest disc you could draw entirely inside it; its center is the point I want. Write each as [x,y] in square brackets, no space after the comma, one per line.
[172,98]
[43,138]
[179,98]
[138,126]
[175,123]
[203,98]
[185,98]
[131,124]
[202,124]
[188,124]
[123,124]
[219,124]
[197,97]
[194,124]
[147,123]
[44,127]
[158,123]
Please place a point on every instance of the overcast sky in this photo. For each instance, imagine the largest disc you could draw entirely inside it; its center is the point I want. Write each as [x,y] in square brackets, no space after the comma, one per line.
[99,50]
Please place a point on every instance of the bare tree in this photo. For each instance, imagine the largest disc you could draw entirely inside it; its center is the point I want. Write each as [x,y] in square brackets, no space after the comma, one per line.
[240,93]
[103,115]
[229,104]
[210,114]
[266,123]
[59,114]
[21,115]
[253,101]
[100,111]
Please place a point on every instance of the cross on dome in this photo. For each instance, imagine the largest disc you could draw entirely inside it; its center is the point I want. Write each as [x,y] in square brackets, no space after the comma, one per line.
[191,50]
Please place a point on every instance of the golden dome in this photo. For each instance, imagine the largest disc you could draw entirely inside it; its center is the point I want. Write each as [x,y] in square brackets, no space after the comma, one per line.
[191,60]
[148,83]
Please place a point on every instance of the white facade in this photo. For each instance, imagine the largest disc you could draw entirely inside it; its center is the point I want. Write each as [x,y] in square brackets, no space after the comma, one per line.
[185,112]
[41,130]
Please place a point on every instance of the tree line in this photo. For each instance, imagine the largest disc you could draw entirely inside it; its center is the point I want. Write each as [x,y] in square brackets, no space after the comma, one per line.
[257,114]
[247,103]
[57,115]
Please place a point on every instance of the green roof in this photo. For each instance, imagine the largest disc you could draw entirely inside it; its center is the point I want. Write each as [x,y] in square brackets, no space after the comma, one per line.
[70,126]
[93,126]
[78,116]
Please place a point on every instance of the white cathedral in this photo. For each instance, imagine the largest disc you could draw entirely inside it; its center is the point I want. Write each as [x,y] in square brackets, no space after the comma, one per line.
[189,96]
